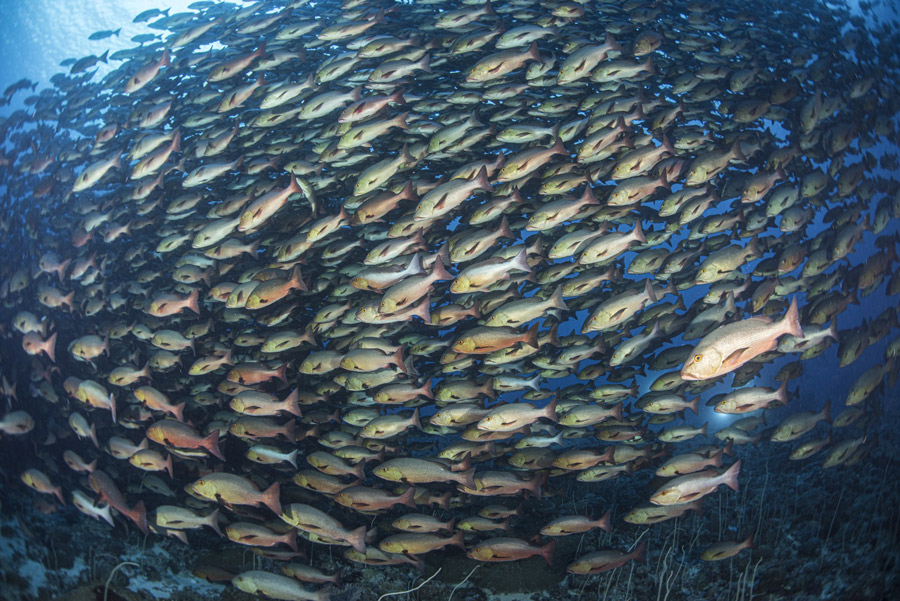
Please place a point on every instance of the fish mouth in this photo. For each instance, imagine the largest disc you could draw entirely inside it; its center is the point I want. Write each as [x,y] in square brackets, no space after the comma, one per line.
[690,377]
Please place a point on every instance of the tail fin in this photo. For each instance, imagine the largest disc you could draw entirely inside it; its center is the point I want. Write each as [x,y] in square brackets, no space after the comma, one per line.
[605,523]
[791,320]
[826,412]
[408,497]
[531,337]
[138,515]
[638,232]
[271,498]
[782,393]
[50,346]
[731,475]
[212,520]
[193,301]
[547,552]
[694,405]
[550,410]
[639,552]
[211,444]
[357,538]
[291,404]
[556,300]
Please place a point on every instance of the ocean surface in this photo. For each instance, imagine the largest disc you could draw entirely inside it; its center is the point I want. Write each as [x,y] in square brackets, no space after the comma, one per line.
[450,300]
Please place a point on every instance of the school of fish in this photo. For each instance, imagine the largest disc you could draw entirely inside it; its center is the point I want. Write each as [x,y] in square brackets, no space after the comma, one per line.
[294,265]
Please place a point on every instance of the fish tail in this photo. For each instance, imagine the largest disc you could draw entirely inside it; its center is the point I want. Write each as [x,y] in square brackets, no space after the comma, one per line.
[531,337]
[408,497]
[357,539]
[288,431]
[458,539]
[211,444]
[550,410]
[791,320]
[212,520]
[693,406]
[193,301]
[556,300]
[481,179]
[533,52]
[106,514]
[438,271]
[826,412]
[50,346]
[423,311]
[503,231]
[292,404]
[400,120]
[520,262]
[468,478]
[138,515]
[547,552]
[638,232]
[639,552]
[270,498]
[290,539]
[648,289]
[731,475]
[605,522]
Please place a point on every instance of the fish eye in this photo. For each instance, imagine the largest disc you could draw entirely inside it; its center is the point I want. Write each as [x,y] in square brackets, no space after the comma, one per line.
[697,358]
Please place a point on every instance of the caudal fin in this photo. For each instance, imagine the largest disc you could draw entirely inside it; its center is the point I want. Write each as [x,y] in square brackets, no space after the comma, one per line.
[211,444]
[357,539]
[547,552]
[138,515]
[605,523]
[271,498]
[408,497]
[638,554]
[731,475]
[791,320]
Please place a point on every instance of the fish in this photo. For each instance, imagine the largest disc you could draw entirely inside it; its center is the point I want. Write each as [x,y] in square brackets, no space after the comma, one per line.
[729,346]
[276,586]
[603,561]
[726,549]
[685,489]
[500,549]
[232,489]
